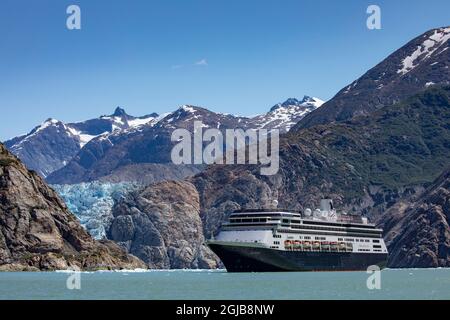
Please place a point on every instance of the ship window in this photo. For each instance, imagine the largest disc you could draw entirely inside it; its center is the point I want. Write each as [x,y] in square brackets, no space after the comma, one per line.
[376,241]
[285,221]
[377,246]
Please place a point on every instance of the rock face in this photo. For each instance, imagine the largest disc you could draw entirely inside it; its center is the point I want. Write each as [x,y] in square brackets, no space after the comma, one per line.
[422,62]
[38,232]
[161,225]
[417,231]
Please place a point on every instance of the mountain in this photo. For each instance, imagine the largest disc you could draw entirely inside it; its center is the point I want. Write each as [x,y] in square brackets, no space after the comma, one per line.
[417,230]
[37,231]
[51,145]
[143,155]
[285,115]
[422,62]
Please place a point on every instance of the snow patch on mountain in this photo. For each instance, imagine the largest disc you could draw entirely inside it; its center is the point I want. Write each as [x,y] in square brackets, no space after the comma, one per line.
[82,138]
[425,50]
[285,115]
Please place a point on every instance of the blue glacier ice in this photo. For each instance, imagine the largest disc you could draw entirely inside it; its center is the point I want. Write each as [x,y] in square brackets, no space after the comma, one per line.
[92,203]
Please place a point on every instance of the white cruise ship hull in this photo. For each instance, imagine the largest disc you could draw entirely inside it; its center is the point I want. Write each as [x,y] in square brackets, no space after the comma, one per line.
[240,257]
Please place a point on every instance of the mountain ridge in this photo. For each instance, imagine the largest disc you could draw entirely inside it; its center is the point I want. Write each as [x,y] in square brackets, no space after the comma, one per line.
[422,62]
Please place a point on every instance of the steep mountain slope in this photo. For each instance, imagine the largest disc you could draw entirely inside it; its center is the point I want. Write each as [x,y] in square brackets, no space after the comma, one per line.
[53,144]
[38,232]
[417,230]
[420,63]
[143,155]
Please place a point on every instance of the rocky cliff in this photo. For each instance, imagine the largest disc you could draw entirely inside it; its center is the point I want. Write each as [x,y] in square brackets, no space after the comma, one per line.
[161,225]
[37,232]
[417,230]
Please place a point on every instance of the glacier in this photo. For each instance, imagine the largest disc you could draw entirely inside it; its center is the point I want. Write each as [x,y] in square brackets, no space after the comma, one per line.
[92,203]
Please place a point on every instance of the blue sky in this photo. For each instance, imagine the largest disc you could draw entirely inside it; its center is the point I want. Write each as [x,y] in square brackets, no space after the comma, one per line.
[234,56]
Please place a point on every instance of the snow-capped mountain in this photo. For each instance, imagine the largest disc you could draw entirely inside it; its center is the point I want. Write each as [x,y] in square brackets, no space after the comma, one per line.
[421,63]
[284,115]
[144,155]
[52,144]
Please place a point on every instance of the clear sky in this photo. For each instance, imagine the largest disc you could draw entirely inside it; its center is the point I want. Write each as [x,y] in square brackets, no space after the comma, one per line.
[233,56]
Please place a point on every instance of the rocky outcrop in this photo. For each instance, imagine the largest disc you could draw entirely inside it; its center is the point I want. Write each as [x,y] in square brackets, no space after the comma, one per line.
[161,225]
[417,230]
[37,231]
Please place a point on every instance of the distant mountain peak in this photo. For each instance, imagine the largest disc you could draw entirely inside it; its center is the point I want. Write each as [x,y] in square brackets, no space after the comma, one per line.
[307,101]
[119,112]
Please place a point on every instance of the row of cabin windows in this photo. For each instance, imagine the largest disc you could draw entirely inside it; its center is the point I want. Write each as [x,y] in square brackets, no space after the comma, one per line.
[317,223]
[264,220]
[248,220]
[303,227]
[332,234]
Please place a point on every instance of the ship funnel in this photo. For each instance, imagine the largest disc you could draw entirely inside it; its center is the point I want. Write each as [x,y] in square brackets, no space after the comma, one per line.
[326,205]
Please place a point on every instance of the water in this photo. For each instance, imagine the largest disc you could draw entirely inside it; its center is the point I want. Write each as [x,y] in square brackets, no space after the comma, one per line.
[161,285]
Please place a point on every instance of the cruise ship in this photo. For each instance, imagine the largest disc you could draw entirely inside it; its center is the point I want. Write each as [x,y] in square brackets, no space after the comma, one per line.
[281,240]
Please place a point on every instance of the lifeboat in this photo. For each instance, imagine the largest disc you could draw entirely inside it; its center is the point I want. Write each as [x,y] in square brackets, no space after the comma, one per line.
[288,244]
[325,245]
[307,245]
[334,246]
[316,245]
[297,245]
[342,246]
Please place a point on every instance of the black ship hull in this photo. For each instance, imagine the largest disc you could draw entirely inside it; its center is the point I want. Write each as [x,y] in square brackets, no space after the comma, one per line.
[238,258]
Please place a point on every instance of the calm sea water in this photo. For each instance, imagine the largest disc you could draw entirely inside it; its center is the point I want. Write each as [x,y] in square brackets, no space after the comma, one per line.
[395,284]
